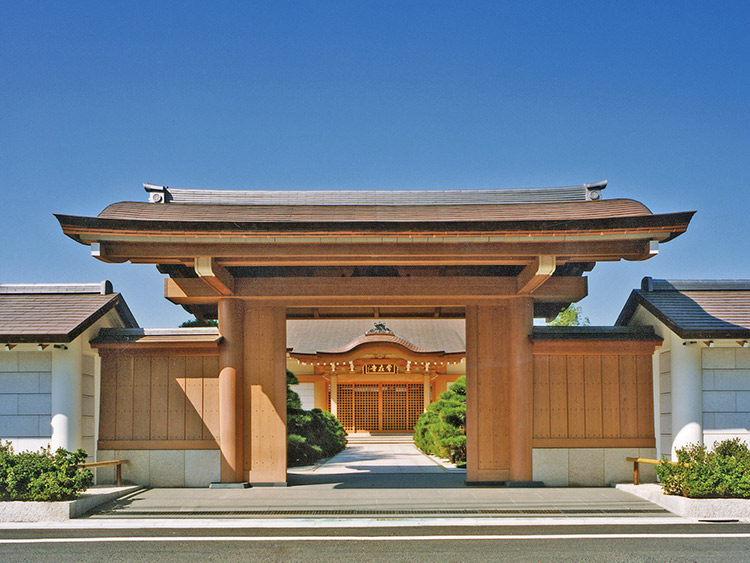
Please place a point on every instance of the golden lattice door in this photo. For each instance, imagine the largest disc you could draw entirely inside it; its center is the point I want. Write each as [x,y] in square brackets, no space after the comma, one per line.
[379,407]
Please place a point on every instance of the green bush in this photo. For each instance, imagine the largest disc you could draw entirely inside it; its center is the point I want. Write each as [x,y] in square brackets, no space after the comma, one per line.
[311,435]
[441,430]
[43,475]
[723,472]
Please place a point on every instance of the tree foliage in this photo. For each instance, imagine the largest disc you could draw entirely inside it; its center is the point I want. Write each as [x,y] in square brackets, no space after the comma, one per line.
[194,322]
[572,316]
[441,430]
[311,435]
[42,475]
[723,472]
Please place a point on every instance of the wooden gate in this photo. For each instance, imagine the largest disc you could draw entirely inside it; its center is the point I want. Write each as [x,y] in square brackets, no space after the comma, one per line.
[379,407]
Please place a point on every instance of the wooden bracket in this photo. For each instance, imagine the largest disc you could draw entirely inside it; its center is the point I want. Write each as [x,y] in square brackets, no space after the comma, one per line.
[536,273]
[214,274]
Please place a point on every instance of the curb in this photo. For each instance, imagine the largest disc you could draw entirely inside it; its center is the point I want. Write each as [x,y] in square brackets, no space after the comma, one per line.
[60,511]
[709,509]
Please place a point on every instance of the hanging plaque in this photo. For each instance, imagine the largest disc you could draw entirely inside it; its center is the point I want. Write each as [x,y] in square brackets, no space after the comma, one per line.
[380,369]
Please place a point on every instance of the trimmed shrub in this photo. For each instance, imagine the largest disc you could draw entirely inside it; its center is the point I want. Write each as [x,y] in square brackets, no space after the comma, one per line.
[441,430]
[311,435]
[723,472]
[43,475]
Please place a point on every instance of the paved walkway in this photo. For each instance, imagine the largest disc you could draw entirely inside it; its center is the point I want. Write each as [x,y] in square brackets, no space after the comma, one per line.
[379,480]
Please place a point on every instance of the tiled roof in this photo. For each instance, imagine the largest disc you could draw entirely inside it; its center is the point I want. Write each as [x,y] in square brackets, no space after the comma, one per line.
[211,213]
[309,337]
[55,312]
[337,198]
[148,336]
[694,308]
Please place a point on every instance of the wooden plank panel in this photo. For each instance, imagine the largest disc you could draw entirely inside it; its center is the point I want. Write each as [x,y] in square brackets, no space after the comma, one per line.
[141,398]
[593,443]
[541,397]
[108,399]
[193,398]
[628,398]
[124,422]
[610,397]
[210,413]
[644,387]
[592,383]
[576,404]
[159,386]
[176,399]
[472,393]
[558,397]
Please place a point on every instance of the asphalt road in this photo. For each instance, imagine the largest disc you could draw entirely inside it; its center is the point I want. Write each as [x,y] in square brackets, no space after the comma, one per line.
[690,542]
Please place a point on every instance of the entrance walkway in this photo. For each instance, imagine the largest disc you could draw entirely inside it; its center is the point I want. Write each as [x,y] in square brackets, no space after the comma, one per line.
[372,478]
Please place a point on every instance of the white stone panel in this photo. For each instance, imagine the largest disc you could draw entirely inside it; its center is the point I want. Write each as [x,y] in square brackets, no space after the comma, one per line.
[137,471]
[710,438]
[87,385]
[29,444]
[616,468]
[708,380]
[719,401]
[19,382]
[666,423]
[665,362]
[87,406]
[721,358]
[732,379]
[105,475]
[646,472]
[8,361]
[742,358]
[586,467]
[306,392]
[550,466]
[9,404]
[665,383]
[202,467]
[88,426]
[665,402]
[89,446]
[88,365]
[167,468]
[34,361]
[19,426]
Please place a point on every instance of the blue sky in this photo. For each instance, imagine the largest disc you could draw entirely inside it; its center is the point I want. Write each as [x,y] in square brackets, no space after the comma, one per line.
[99,97]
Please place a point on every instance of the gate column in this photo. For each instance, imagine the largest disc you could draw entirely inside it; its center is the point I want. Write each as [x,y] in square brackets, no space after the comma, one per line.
[265,394]
[231,317]
[499,400]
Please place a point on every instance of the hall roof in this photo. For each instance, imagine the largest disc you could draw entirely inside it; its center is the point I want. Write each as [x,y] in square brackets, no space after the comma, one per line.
[45,313]
[694,308]
[569,210]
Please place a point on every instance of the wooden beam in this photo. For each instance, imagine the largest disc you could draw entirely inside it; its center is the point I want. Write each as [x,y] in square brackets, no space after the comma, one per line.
[365,253]
[536,273]
[375,292]
[214,274]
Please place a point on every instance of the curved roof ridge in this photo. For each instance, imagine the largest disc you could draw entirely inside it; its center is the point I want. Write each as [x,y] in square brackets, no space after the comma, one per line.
[388,338]
[582,192]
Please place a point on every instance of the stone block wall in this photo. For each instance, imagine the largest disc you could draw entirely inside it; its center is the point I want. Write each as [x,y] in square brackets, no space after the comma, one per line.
[665,402]
[25,398]
[163,468]
[589,467]
[726,393]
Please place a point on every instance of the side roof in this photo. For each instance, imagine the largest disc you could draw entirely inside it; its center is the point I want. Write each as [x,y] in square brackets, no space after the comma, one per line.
[56,312]
[694,308]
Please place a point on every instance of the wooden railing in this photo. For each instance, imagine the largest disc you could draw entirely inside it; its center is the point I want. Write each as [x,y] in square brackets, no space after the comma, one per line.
[118,463]
[637,460]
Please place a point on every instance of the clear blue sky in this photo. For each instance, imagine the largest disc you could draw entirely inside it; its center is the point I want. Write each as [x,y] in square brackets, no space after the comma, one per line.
[99,97]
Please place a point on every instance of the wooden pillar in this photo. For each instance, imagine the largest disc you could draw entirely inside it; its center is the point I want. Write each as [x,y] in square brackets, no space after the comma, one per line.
[231,317]
[499,402]
[334,396]
[265,394]
[426,391]
[521,387]
[321,401]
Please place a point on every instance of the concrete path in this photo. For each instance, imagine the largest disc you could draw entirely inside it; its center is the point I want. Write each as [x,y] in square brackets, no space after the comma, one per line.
[380,480]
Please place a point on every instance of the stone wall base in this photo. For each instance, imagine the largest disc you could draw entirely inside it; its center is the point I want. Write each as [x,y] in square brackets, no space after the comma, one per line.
[163,468]
[589,467]
[695,508]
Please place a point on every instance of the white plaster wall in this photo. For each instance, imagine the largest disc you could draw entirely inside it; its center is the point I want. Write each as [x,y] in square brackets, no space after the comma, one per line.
[25,397]
[163,468]
[589,467]
[306,392]
[726,392]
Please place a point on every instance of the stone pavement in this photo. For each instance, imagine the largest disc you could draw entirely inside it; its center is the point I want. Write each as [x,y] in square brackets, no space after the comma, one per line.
[379,480]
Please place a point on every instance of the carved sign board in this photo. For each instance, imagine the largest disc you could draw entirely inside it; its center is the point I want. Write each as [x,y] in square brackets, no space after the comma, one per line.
[368,369]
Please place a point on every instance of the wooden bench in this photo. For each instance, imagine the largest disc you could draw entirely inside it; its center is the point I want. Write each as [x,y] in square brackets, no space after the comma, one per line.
[118,463]
[637,460]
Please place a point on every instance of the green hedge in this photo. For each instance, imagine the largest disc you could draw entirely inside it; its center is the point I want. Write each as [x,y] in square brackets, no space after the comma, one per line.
[723,472]
[43,475]
[311,435]
[441,430]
